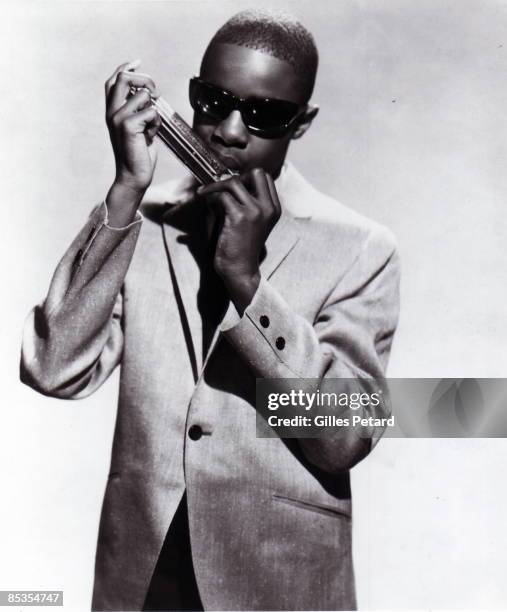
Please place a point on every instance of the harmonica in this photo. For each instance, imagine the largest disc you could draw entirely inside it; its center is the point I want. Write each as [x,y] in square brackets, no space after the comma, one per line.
[179,137]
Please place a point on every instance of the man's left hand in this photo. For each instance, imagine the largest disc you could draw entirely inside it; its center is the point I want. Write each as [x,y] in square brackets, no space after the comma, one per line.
[247,208]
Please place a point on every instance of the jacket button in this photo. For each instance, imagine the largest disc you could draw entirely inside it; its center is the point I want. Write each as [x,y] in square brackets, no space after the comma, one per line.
[195,432]
[280,343]
[264,321]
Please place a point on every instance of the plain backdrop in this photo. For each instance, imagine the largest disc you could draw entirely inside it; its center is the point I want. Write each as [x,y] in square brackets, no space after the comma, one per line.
[412,132]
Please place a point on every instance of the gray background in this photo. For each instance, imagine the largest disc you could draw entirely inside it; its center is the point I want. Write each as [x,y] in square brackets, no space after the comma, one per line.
[411,133]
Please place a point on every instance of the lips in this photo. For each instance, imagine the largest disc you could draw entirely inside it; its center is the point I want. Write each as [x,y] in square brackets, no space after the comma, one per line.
[228,160]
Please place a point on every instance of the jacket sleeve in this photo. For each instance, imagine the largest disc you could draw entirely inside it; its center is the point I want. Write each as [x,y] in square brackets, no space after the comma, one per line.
[350,337]
[74,340]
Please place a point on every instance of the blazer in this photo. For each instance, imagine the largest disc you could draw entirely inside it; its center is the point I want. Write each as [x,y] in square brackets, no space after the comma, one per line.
[269,530]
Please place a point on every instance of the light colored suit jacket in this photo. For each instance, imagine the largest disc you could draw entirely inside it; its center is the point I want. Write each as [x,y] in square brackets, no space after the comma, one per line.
[268,530]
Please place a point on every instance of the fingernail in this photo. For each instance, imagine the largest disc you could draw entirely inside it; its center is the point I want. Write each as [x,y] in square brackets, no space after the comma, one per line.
[200,190]
[133,65]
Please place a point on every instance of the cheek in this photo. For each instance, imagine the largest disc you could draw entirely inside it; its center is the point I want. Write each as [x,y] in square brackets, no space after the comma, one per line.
[203,130]
[268,153]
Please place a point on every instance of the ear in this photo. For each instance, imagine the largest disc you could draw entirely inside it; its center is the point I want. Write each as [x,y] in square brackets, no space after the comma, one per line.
[305,120]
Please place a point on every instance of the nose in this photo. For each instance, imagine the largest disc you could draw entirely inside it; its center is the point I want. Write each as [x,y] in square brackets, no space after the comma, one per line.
[232,132]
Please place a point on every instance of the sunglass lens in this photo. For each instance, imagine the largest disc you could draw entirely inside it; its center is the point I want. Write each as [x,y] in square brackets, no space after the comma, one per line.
[209,100]
[269,115]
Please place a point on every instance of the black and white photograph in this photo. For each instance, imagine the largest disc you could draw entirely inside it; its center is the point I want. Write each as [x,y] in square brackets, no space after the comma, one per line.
[254,321]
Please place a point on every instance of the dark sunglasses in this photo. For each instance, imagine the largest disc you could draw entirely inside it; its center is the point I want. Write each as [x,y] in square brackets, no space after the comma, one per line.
[264,117]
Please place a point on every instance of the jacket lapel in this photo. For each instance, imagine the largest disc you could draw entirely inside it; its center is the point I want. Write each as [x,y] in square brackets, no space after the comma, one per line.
[280,242]
[186,279]
[295,198]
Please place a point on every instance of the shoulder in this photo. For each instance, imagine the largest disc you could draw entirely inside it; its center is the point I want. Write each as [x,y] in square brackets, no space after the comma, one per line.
[333,221]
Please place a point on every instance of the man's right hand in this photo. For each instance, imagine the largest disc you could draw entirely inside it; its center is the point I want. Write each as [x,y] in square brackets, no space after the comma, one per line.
[133,123]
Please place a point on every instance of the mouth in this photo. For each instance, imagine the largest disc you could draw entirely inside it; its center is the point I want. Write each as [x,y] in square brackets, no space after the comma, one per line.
[229,161]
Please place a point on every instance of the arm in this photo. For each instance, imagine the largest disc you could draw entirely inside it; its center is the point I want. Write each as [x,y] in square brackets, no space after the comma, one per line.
[352,334]
[74,340]
[350,339]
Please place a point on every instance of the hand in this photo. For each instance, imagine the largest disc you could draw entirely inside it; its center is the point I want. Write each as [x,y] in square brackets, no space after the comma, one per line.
[133,123]
[247,208]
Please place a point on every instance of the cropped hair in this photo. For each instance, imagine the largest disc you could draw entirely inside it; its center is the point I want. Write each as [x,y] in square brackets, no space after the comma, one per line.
[278,34]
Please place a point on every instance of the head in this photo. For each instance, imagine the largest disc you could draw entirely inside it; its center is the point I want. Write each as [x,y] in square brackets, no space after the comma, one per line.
[259,55]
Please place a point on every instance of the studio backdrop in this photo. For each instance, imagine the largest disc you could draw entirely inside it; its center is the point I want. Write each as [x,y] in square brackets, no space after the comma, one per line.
[412,132]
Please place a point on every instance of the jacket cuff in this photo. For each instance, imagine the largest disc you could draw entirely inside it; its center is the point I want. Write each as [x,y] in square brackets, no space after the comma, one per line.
[97,231]
[264,336]
[138,218]
[96,246]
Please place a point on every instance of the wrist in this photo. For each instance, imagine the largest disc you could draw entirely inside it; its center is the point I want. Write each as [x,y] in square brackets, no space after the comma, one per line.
[122,202]
[242,288]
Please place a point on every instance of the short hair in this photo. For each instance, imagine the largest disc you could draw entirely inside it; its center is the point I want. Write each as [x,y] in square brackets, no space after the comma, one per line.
[275,33]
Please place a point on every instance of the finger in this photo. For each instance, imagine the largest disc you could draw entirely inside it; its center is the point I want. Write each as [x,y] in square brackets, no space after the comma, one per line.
[138,80]
[139,122]
[258,182]
[152,128]
[232,186]
[136,103]
[124,82]
[126,66]
[225,204]
[274,195]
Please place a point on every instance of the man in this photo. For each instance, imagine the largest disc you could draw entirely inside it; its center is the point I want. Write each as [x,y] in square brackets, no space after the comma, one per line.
[259,275]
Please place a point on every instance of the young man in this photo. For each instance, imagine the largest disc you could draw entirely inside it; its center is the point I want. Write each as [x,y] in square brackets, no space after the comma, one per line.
[259,275]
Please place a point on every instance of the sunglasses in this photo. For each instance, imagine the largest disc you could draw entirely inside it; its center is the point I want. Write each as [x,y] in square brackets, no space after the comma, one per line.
[264,117]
